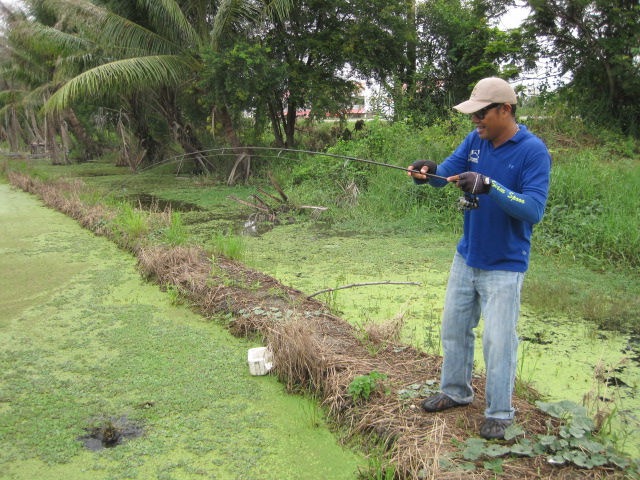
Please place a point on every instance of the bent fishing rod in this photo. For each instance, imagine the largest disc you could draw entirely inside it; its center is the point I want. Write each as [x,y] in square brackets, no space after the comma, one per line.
[465,203]
[228,150]
[308,152]
[343,157]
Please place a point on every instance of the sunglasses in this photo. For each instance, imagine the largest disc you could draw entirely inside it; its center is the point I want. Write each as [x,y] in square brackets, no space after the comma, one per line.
[482,112]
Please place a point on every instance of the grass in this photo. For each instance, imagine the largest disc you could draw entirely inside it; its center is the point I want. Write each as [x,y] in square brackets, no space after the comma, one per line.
[176,233]
[131,224]
[231,246]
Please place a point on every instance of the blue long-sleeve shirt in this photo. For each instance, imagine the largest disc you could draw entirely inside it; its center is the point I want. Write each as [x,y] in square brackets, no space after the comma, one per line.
[497,235]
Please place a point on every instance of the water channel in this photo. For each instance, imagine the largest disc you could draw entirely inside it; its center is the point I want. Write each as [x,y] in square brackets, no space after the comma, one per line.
[91,356]
[562,358]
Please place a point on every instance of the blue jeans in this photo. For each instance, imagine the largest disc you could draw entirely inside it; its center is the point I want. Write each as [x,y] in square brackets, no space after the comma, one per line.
[495,294]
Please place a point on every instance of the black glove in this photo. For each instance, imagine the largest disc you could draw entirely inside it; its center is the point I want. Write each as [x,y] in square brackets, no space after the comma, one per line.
[418,164]
[474,183]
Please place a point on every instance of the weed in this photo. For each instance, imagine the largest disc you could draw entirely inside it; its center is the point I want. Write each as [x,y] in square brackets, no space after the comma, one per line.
[175,296]
[362,386]
[231,246]
[176,233]
[312,412]
[130,224]
[575,443]
[523,386]
[378,468]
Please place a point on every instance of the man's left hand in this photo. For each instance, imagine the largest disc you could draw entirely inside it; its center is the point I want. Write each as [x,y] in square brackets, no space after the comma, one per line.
[472,182]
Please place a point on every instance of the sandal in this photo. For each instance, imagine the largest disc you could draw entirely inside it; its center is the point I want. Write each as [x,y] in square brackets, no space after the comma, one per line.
[494,428]
[439,402]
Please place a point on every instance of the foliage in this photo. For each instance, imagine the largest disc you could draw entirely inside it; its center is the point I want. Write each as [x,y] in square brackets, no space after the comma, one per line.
[130,225]
[587,216]
[456,48]
[362,386]
[243,76]
[422,390]
[312,45]
[596,41]
[575,443]
[389,201]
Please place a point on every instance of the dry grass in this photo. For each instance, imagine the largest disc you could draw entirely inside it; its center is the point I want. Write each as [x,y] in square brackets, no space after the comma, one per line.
[320,353]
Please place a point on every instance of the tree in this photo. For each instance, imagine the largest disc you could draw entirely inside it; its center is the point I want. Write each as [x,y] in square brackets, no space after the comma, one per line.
[157,51]
[597,42]
[312,46]
[458,47]
[384,43]
[35,42]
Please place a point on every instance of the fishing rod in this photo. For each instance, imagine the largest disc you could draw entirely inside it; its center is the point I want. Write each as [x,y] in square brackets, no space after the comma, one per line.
[289,150]
[223,151]
[465,202]
[343,157]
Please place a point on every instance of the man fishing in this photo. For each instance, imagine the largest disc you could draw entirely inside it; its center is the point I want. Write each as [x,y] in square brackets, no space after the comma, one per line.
[503,169]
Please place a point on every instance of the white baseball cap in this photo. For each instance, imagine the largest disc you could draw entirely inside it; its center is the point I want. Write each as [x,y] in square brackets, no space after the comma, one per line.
[487,91]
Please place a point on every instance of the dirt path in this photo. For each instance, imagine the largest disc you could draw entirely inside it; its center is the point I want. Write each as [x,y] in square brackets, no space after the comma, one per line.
[85,343]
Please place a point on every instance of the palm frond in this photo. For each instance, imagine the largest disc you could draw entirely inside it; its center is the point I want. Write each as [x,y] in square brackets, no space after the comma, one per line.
[167,17]
[230,13]
[69,66]
[277,9]
[46,40]
[35,98]
[25,69]
[114,32]
[11,96]
[123,77]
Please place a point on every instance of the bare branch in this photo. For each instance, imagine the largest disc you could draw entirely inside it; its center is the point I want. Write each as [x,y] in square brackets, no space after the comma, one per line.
[387,282]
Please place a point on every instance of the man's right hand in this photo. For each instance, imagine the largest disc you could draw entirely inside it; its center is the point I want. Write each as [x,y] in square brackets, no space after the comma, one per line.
[421,167]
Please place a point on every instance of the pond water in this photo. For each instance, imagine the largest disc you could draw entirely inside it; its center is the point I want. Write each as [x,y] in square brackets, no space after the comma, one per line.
[90,355]
[561,357]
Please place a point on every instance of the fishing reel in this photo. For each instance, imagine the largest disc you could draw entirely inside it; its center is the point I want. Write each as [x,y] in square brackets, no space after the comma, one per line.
[466,203]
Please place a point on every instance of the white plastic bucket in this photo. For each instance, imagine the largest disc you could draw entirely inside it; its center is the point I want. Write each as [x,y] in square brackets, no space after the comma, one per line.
[260,360]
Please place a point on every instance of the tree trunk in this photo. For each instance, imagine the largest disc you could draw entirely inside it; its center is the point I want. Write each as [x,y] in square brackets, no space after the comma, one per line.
[276,124]
[184,133]
[90,148]
[290,124]
[243,154]
[37,134]
[139,126]
[14,131]
[51,140]
[412,44]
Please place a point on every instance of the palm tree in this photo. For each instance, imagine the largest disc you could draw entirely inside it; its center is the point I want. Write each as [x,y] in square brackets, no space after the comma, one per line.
[155,49]
[29,71]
